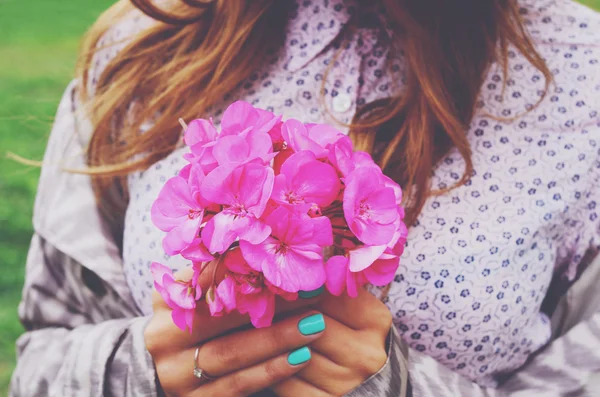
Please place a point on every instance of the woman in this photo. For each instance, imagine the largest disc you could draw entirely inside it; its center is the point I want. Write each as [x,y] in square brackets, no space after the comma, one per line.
[486,112]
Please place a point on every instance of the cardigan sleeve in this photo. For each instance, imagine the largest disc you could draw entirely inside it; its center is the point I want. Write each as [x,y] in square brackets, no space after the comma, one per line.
[84,334]
[78,339]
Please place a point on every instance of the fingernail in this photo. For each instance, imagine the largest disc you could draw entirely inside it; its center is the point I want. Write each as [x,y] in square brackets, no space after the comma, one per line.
[312,324]
[311,294]
[299,356]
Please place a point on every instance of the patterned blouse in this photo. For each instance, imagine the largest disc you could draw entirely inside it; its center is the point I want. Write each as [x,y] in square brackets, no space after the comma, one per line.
[467,299]
[480,259]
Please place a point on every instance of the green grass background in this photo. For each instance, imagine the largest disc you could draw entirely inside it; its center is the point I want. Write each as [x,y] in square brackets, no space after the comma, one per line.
[38,46]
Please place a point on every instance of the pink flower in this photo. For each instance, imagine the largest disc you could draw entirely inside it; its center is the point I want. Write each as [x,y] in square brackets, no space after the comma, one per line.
[292,257]
[200,136]
[197,252]
[241,116]
[180,296]
[365,264]
[179,210]
[244,192]
[241,149]
[370,206]
[315,138]
[245,135]
[304,181]
[246,290]
[343,157]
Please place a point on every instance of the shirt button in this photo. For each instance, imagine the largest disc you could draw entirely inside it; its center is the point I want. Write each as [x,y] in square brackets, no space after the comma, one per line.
[341,103]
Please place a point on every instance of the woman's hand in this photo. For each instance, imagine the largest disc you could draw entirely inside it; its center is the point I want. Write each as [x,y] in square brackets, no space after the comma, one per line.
[352,348]
[241,363]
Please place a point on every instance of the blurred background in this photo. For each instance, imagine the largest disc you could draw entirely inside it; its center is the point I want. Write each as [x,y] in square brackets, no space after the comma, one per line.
[39,40]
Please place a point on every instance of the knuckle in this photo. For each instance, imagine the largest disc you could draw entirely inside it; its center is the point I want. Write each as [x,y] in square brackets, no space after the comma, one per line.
[237,384]
[164,371]
[372,360]
[223,356]
[152,336]
[382,317]
[281,336]
[273,372]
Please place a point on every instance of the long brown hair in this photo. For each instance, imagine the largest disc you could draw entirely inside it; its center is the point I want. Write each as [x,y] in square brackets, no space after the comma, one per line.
[201,50]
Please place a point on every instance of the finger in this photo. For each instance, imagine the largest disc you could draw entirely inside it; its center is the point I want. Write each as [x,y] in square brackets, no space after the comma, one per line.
[339,343]
[295,386]
[363,312]
[256,378]
[205,326]
[364,351]
[326,375]
[244,349]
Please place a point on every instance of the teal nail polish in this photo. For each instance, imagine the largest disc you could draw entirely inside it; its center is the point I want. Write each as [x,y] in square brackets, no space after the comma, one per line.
[312,324]
[299,356]
[311,294]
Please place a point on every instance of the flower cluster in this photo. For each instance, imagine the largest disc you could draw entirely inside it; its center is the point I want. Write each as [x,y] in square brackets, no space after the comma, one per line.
[279,207]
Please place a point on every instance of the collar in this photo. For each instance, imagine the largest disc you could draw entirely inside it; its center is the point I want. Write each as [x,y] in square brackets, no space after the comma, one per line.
[313,25]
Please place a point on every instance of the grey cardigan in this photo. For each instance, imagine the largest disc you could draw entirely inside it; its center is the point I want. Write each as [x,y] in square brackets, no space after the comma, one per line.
[84,333]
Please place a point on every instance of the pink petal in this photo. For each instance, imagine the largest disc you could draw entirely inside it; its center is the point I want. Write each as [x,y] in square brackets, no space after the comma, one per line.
[180,237]
[322,232]
[222,230]
[298,268]
[195,178]
[185,171]
[175,199]
[231,149]
[372,233]
[165,223]
[308,180]
[288,296]
[389,182]
[365,186]
[352,284]
[234,261]
[383,203]
[280,159]
[179,317]
[239,114]
[255,187]
[179,292]
[255,231]
[200,131]
[295,161]
[249,186]
[296,135]
[261,146]
[364,159]
[275,131]
[268,123]
[324,134]
[217,187]
[361,183]
[264,319]
[382,271]
[196,251]
[363,257]
[336,269]
[159,270]
[340,155]
[226,293]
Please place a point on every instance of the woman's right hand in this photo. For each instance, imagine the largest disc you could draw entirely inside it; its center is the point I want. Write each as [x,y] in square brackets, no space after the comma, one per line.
[241,363]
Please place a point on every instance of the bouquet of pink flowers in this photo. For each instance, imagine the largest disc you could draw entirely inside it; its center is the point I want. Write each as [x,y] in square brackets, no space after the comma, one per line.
[280,207]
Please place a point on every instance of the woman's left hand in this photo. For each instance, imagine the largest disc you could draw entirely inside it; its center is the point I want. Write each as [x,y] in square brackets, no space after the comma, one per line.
[352,348]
